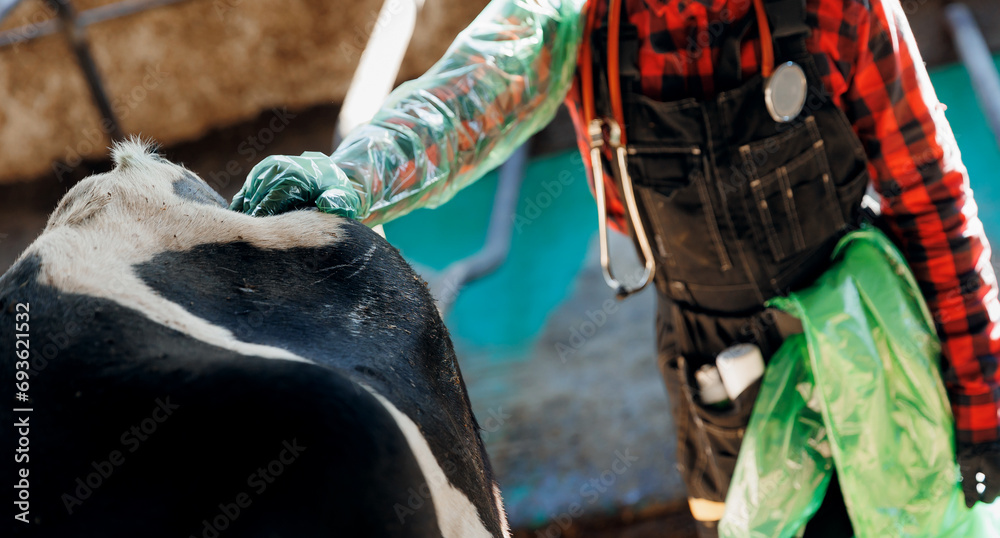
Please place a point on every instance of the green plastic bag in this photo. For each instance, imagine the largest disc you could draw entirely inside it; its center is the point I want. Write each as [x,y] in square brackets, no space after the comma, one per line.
[859,391]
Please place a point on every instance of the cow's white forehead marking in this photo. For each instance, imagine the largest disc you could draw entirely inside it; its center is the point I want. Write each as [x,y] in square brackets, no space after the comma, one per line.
[457,517]
[107,224]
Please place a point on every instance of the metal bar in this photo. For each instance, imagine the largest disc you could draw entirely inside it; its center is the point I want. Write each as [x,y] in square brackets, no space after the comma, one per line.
[975,54]
[28,32]
[6,6]
[85,18]
[498,237]
[77,36]
[120,9]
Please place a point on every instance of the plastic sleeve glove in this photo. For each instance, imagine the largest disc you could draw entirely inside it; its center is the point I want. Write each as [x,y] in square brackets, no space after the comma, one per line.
[501,81]
[980,468]
[282,183]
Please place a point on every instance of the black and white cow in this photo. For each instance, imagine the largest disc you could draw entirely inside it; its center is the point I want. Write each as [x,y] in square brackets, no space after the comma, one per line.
[195,372]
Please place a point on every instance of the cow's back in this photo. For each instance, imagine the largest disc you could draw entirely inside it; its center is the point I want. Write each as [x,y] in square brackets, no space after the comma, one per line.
[292,369]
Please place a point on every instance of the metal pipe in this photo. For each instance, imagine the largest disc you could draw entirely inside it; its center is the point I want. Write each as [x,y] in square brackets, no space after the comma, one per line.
[120,9]
[6,6]
[498,237]
[29,32]
[77,37]
[975,54]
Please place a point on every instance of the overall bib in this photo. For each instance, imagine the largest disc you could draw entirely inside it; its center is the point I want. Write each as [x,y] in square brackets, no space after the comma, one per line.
[738,208]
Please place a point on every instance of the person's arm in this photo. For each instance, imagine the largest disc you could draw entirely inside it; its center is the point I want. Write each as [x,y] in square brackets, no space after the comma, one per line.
[501,81]
[928,206]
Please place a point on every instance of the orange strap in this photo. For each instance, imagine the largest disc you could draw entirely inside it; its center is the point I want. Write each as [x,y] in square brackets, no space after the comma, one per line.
[614,81]
[766,45]
[587,66]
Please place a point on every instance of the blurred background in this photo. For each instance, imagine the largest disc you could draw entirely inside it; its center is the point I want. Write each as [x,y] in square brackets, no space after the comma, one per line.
[562,377]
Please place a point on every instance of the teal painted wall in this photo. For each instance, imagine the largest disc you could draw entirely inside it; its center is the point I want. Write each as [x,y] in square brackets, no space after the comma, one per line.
[980,152]
[551,230]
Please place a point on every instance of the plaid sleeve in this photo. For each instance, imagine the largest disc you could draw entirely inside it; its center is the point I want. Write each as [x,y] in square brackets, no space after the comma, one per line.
[929,208]
[502,80]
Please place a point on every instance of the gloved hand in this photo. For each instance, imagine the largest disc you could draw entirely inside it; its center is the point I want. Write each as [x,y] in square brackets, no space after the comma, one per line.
[281,183]
[980,467]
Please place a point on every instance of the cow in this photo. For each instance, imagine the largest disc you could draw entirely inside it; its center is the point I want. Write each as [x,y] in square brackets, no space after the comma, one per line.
[196,372]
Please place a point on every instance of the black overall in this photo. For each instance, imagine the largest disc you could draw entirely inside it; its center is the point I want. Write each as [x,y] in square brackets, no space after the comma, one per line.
[738,208]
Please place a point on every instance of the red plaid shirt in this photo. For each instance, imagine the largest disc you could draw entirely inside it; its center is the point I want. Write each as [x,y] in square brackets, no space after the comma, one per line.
[872,69]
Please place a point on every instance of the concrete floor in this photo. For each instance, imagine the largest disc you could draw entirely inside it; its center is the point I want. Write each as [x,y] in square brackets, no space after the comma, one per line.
[587,395]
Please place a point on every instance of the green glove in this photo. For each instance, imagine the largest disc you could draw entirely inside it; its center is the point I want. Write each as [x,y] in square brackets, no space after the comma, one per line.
[282,183]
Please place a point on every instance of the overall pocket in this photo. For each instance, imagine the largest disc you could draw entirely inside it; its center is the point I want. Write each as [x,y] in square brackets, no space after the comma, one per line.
[664,168]
[790,198]
[673,186]
[709,439]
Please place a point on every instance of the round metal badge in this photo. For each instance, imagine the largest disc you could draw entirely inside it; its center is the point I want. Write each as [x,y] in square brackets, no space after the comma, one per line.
[785,92]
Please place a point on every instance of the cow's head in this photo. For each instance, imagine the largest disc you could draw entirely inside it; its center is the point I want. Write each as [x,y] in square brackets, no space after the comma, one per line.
[141,181]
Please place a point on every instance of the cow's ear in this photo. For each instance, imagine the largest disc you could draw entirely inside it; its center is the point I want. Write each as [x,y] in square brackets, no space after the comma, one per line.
[80,204]
[193,189]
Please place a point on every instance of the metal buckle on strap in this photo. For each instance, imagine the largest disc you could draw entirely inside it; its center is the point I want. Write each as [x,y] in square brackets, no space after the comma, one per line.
[595,130]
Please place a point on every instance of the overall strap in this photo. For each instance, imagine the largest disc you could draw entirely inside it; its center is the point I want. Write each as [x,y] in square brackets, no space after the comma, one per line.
[729,66]
[787,18]
[781,27]
[789,30]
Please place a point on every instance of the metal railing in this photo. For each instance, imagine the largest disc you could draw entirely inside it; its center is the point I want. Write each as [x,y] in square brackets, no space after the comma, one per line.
[73,25]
